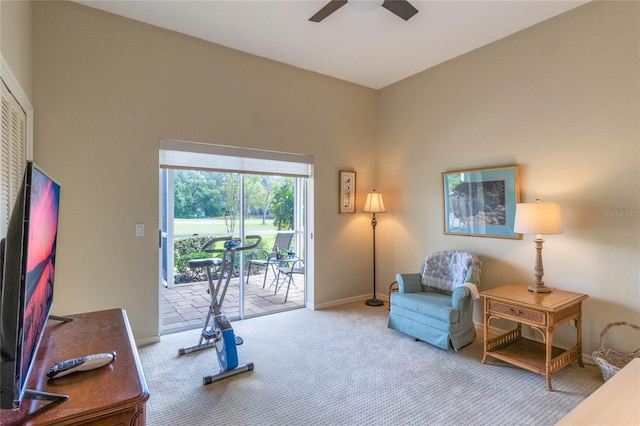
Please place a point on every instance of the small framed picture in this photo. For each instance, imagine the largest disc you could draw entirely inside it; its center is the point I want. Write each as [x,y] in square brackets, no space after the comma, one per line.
[347,197]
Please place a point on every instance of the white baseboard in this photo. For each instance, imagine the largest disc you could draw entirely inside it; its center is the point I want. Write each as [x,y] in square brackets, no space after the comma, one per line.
[147,341]
[334,303]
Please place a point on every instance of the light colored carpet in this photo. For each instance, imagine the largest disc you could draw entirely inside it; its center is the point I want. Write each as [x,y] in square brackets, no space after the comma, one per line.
[343,366]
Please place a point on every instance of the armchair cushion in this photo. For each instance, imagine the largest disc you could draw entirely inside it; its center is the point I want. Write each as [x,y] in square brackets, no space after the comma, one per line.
[434,305]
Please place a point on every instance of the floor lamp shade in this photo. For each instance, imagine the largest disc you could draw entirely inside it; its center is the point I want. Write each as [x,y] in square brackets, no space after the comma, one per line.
[374,204]
[539,219]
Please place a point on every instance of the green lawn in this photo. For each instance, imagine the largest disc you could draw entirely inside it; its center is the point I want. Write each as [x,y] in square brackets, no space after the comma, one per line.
[216,225]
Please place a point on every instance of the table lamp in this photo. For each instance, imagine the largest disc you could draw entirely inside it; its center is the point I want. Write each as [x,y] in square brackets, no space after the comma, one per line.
[540,219]
[374,205]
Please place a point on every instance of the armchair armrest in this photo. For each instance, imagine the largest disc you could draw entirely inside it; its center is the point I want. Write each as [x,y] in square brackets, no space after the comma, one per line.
[409,283]
[459,294]
[468,289]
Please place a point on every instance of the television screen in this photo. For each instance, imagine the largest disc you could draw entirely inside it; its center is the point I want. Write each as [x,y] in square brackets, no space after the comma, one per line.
[28,276]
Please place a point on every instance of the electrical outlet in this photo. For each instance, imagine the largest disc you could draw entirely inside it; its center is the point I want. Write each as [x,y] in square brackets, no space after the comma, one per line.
[139,230]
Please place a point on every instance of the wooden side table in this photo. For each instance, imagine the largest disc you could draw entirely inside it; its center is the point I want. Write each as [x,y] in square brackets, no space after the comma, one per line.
[544,312]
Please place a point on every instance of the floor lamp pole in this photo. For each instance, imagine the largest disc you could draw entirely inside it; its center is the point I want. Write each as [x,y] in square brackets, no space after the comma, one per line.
[373,301]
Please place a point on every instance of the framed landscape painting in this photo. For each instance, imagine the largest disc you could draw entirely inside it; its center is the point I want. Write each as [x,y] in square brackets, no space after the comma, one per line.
[481,202]
[347,192]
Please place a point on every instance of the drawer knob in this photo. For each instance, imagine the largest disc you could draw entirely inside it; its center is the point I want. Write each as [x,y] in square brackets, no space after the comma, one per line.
[516,311]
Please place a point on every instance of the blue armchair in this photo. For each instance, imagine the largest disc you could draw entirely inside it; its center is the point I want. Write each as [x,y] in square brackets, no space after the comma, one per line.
[436,304]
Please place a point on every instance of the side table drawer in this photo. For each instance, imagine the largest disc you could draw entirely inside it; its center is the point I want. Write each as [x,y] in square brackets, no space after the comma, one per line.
[518,312]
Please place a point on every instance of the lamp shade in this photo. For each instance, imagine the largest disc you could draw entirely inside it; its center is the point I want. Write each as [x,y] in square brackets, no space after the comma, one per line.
[538,218]
[374,203]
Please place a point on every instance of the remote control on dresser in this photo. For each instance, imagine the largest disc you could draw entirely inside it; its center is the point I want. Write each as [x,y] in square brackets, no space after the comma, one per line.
[84,363]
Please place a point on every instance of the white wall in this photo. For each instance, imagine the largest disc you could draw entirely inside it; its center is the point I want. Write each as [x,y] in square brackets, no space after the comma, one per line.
[560,99]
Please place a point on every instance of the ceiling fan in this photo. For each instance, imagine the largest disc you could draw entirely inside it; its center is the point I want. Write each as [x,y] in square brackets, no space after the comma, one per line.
[401,8]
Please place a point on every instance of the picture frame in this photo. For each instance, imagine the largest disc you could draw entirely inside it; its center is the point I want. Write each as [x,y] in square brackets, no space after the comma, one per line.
[481,202]
[347,192]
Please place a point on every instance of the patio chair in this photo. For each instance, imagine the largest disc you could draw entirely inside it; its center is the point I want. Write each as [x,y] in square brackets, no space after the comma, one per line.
[264,259]
[290,266]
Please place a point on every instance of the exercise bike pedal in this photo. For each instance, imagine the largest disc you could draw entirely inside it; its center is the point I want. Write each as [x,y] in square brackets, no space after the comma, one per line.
[209,334]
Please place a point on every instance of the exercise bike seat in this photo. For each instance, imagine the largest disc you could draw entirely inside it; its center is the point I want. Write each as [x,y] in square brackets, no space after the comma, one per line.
[203,263]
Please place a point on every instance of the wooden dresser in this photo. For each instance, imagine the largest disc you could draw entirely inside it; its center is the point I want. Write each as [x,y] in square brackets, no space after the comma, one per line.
[111,395]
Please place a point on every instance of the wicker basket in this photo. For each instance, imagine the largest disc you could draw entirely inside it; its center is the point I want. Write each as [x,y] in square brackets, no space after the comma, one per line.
[609,360]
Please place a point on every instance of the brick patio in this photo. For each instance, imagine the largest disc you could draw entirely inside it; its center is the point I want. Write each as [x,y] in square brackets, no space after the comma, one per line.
[185,306]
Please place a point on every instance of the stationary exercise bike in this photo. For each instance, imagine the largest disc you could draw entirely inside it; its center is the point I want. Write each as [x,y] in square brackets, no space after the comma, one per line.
[220,333]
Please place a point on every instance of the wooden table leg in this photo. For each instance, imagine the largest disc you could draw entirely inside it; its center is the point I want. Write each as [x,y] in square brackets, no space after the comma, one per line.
[486,329]
[578,322]
[547,362]
[549,388]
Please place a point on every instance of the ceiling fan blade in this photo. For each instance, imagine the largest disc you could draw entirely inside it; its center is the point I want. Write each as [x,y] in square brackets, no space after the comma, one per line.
[402,8]
[327,10]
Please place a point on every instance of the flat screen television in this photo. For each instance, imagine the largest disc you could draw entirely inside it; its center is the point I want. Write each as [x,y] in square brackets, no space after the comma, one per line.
[27,273]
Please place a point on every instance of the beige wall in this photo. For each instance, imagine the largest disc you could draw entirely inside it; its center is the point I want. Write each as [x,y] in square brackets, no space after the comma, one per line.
[107,89]
[560,99]
[15,40]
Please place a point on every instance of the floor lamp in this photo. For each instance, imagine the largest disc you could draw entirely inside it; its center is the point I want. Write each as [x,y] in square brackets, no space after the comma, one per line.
[374,205]
[538,218]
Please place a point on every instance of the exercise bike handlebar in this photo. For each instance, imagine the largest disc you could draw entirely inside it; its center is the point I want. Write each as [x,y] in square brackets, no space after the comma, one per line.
[210,246]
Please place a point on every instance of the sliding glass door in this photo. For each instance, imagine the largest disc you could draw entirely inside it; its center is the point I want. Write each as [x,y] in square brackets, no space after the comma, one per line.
[198,206]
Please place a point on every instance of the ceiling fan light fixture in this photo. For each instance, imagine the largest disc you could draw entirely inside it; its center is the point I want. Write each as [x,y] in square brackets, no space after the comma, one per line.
[365,5]
[401,8]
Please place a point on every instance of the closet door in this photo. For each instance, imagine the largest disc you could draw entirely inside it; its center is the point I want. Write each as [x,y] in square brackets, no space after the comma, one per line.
[13,153]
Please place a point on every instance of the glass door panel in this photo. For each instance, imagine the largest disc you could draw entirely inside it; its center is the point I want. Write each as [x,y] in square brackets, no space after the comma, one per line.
[208,205]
